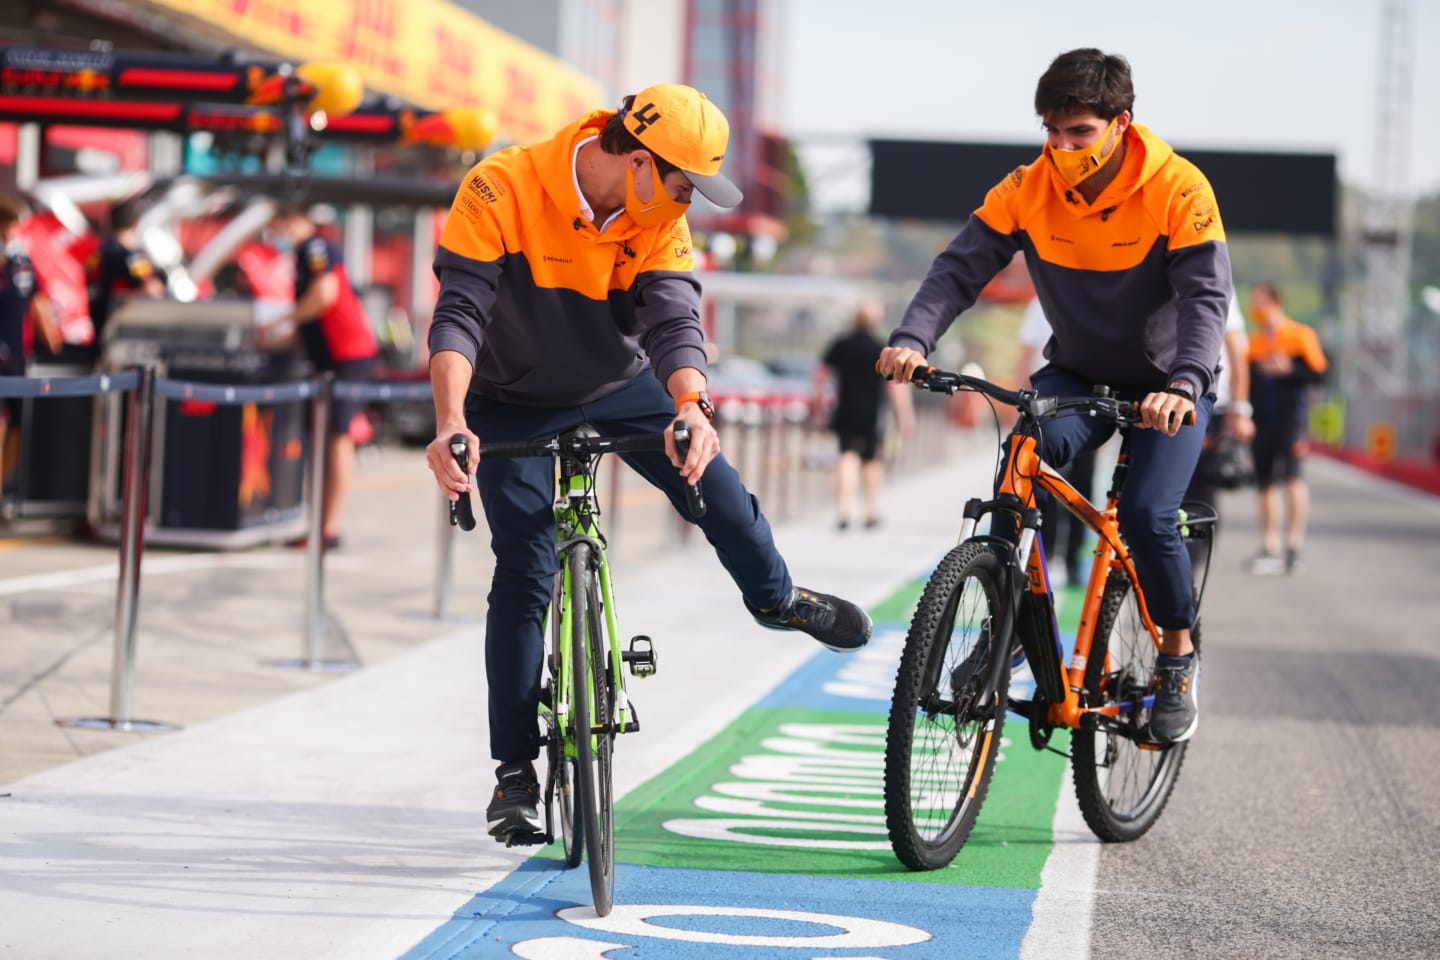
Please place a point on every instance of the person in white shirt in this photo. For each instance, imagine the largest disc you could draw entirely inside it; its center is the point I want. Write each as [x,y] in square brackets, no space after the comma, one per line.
[1061,531]
[1233,413]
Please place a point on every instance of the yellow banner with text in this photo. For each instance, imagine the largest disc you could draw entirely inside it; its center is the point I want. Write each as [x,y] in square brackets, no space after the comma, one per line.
[428,52]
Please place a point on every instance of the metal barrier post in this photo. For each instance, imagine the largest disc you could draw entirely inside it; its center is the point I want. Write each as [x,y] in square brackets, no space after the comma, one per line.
[444,562]
[132,545]
[315,618]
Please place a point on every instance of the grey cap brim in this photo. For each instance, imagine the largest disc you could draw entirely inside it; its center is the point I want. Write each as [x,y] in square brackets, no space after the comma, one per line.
[717,189]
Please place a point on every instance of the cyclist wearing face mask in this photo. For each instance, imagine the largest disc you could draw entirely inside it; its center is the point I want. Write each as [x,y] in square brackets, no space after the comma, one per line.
[567,295]
[1124,243]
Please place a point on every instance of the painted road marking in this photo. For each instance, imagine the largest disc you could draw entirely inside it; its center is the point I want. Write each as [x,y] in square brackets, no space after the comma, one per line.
[182,563]
[770,838]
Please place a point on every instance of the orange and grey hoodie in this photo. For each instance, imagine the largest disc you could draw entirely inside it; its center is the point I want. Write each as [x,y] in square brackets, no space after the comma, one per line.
[549,310]
[1136,285]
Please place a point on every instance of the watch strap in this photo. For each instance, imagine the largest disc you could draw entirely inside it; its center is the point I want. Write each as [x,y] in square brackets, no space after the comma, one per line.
[701,399]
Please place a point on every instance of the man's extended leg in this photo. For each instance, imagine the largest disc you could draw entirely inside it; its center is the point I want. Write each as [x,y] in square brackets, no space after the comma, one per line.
[734,525]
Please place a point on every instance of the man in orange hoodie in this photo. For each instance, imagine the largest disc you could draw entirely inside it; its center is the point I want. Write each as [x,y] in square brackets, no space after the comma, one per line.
[567,295]
[1124,243]
[1285,359]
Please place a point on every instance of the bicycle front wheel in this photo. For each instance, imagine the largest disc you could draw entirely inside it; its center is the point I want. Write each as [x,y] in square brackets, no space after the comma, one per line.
[1122,779]
[594,726]
[944,733]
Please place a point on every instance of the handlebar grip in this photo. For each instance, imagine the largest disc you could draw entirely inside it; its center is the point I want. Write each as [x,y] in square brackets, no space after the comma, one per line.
[694,496]
[1188,421]
[462,514]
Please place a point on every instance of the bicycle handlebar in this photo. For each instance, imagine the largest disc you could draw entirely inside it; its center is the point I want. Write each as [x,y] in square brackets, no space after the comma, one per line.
[694,498]
[462,514]
[577,446]
[1030,403]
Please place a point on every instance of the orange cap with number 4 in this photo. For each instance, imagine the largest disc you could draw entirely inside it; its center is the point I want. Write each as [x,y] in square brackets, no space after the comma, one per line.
[681,126]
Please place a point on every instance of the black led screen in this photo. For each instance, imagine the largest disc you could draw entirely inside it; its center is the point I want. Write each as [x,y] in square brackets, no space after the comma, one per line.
[1293,193]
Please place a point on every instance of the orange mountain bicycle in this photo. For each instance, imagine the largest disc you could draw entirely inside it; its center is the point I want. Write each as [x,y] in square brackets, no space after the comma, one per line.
[988,600]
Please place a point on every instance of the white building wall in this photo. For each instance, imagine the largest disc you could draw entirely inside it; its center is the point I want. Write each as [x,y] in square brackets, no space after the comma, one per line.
[652,43]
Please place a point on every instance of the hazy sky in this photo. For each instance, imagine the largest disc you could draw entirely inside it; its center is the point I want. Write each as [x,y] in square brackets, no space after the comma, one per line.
[1294,75]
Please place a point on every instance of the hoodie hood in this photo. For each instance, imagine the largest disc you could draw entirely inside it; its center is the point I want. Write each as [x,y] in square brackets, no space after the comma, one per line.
[554,161]
[1145,154]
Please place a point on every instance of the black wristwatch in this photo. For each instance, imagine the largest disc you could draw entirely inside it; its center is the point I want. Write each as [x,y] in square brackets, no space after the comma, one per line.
[700,398]
[1182,388]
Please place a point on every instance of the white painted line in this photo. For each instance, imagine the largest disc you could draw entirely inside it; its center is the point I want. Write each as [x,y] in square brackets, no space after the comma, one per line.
[184,563]
[1065,905]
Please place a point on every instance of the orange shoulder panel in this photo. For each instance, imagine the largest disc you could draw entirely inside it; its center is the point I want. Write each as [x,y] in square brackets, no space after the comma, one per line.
[475,227]
[1193,215]
[1300,341]
[1000,209]
[670,249]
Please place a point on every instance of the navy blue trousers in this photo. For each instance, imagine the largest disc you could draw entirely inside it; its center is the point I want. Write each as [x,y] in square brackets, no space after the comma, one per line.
[1160,471]
[518,497]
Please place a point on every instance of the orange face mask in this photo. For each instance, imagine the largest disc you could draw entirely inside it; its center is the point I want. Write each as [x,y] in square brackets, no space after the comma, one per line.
[1077,165]
[660,209]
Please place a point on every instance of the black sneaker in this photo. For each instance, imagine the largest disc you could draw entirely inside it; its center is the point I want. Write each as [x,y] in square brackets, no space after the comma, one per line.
[1293,564]
[838,624]
[1176,687]
[514,811]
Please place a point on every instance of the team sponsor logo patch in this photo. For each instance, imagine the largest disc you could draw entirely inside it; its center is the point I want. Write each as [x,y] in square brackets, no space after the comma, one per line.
[486,189]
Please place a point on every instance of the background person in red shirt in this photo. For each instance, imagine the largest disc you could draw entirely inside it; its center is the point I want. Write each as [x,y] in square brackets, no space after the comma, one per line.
[330,324]
[20,300]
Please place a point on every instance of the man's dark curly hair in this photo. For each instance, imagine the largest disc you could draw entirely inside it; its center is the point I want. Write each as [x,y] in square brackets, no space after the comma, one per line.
[619,141]
[1085,79]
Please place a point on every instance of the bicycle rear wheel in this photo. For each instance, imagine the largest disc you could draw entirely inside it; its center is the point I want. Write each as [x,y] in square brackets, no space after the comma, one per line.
[559,745]
[1122,779]
[942,740]
[594,727]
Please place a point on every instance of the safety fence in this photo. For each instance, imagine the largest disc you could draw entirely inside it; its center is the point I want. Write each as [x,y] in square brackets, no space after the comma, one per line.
[779,446]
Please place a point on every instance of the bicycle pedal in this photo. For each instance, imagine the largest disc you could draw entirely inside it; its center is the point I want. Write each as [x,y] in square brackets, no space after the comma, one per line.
[523,838]
[640,656]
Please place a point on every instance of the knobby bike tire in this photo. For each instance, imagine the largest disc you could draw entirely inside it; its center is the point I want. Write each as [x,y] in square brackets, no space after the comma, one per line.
[1121,786]
[560,747]
[593,742]
[939,756]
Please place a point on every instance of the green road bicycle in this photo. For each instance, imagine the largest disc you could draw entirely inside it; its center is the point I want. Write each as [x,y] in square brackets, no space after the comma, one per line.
[988,600]
[583,701]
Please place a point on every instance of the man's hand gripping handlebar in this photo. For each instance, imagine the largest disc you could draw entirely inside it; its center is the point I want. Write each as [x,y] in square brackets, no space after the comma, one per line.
[694,498]
[462,514]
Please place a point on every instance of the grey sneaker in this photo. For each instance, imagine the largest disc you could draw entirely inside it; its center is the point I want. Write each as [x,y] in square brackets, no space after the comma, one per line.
[1266,565]
[1293,564]
[514,811]
[1176,687]
[838,624]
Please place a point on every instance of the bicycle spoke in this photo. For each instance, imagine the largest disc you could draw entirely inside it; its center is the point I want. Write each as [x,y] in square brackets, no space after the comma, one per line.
[939,754]
[1122,779]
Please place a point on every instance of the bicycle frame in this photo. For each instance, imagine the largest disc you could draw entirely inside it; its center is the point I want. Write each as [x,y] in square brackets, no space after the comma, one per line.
[576,521]
[1027,471]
